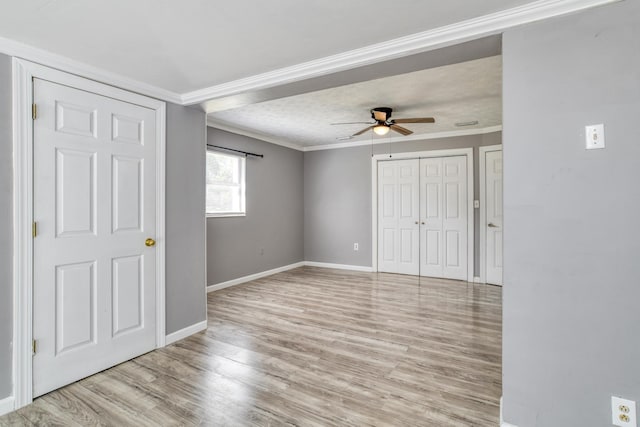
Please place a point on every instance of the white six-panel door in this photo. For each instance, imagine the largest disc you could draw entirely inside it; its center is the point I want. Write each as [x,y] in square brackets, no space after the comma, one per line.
[422,217]
[443,217]
[398,212]
[493,191]
[94,205]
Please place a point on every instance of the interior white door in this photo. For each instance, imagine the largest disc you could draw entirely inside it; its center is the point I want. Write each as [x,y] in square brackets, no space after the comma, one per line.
[443,217]
[493,191]
[398,212]
[94,205]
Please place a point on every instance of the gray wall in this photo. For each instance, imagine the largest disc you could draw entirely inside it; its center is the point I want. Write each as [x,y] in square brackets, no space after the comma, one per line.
[6,227]
[572,234]
[271,234]
[337,197]
[186,228]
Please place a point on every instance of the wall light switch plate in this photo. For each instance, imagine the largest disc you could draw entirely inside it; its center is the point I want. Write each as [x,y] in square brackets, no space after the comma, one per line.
[623,412]
[356,246]
[595,136]
[476,204]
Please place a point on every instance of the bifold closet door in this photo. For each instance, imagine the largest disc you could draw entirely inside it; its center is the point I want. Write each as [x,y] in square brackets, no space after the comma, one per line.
[398,214]
[443,217]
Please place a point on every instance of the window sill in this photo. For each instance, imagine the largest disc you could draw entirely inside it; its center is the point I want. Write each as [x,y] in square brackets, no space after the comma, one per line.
[224,215]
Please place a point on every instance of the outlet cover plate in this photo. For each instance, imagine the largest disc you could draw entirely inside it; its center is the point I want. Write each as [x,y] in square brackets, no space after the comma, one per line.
[616,404]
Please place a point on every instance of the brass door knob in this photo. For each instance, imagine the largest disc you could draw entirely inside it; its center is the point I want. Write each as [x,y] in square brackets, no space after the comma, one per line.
[150,242]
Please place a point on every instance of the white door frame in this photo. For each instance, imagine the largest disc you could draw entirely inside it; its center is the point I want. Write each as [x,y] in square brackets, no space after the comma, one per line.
[23,74]
[482,159]
[468,152]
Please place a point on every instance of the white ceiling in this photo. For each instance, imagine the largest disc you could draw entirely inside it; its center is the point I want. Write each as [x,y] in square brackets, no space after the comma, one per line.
[187,45]
[253,55]
[454,93]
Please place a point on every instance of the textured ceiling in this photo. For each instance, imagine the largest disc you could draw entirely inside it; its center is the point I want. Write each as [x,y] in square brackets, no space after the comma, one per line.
[454,93]
[191,44]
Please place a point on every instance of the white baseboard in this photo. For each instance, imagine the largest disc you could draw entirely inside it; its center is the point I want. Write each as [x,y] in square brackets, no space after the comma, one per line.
[251,277]
[185,332]
[338,266]
[502,422]
[7,405]
[239,280]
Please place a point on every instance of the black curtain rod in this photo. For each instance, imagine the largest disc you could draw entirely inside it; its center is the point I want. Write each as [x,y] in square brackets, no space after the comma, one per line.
[237,151]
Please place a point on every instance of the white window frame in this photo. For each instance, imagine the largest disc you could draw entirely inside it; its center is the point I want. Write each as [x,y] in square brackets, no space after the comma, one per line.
[243,187]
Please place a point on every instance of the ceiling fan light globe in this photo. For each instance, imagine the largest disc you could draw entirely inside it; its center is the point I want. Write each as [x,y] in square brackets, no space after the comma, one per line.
[381,130]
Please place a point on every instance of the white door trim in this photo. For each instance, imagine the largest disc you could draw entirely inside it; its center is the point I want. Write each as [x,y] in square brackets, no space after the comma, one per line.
[482,159]
[23,74]
[468,152]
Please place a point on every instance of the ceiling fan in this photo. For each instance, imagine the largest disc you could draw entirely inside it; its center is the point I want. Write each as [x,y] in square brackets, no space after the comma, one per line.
[383,122]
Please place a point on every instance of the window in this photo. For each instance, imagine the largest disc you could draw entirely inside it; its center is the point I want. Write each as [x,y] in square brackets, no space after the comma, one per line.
[225,184]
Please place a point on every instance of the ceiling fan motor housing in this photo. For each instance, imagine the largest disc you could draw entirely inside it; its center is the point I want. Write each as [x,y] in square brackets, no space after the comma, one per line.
[385,110]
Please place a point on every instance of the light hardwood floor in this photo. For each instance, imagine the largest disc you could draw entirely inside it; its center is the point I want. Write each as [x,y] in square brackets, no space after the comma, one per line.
[309,347]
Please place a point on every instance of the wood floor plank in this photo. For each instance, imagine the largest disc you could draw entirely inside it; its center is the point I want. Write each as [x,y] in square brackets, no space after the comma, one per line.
[309,347]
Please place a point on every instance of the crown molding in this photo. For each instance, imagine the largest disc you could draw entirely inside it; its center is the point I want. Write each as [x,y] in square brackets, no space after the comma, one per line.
[253,134]
[415,43]
[413,137]
[59,62]
[420,42]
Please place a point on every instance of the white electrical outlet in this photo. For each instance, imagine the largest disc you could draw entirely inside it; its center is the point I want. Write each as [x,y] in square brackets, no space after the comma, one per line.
[623,412]
[595,136]
[355,247]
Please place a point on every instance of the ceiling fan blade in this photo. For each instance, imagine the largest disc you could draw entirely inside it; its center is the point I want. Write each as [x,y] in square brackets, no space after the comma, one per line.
[352,123]
[401,130]
[416,120]
[363,131]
